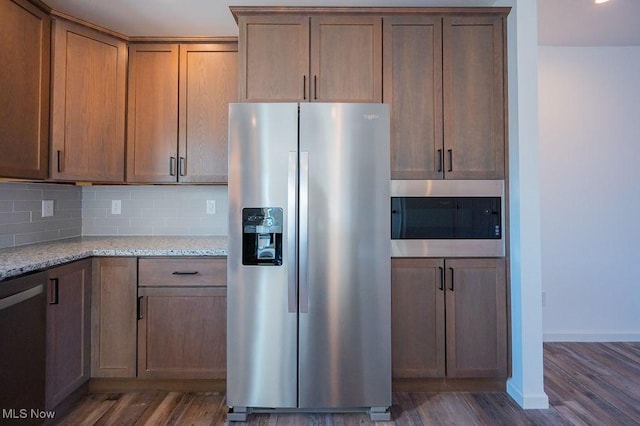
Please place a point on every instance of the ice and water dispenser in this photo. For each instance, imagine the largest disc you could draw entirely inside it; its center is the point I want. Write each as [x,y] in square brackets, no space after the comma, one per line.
[262,236]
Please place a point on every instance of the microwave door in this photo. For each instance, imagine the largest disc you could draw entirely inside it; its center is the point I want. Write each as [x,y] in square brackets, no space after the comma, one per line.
[398,218]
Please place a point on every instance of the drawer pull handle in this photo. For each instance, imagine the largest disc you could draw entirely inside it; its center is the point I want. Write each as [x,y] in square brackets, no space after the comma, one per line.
[172,166]
[452,278]
[304,87]
[185,273]
[54,293]
[140,314]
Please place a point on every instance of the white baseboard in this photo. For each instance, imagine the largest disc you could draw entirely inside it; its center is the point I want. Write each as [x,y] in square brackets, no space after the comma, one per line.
[527,401]
[583,336]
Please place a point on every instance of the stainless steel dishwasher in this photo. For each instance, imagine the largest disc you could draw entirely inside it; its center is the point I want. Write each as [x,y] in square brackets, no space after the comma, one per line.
[22,347]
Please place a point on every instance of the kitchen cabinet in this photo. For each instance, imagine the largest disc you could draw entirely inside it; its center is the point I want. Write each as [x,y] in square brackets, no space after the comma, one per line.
[417,318]
[474,101]
[449,318]
[444,80]
[88,104]
[182,318]
[177,111]
[113,317]
[24,90]
[68,330]
[307,57]
[414,94]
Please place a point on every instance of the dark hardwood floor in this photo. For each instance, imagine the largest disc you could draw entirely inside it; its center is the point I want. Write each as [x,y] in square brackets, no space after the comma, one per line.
[587,384]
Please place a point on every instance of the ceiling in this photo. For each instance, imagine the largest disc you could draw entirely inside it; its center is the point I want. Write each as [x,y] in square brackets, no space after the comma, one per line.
[561,22]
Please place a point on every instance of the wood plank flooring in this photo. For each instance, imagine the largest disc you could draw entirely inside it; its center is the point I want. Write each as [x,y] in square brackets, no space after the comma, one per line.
[587,384]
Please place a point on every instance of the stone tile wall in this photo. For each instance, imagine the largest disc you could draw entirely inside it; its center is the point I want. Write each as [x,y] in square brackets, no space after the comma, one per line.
[21,221]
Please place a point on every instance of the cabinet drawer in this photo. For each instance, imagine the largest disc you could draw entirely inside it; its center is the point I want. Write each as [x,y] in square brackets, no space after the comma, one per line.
[174,272]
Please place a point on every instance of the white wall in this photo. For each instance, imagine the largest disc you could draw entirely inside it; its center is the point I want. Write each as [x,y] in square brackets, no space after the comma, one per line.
[589,99]
[526,384]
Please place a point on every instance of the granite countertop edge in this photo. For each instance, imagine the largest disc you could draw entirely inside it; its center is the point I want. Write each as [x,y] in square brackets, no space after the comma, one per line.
[20,260]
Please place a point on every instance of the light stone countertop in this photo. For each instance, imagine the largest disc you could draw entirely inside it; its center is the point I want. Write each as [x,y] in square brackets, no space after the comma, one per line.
[15,261]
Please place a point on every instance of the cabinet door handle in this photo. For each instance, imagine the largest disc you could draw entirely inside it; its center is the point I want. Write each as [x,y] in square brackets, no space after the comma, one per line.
[139,308]
[181,166]
[54,296]
[185,273]
[441,278]
[172,166]
[452,279]
[304,87]
[450,151]
[59,161]
[440,159]
[315,87]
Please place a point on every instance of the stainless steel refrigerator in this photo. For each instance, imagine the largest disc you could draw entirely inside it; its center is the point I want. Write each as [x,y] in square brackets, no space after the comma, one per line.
[309,296]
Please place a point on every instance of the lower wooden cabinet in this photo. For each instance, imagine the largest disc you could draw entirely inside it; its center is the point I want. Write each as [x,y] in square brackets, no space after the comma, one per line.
[68,330]
[449,318]
[182,317]
[113,317]
[182,333]
[159,318]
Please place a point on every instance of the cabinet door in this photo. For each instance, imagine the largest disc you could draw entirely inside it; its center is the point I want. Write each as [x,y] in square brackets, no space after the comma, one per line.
[417,318]
[412,58]
[182,332]
[208,82]
[474,103]
[273,58]
[152,127]
[24,90]
[113,317]
[476,318]
[346,58]
[68,330]
[88,107]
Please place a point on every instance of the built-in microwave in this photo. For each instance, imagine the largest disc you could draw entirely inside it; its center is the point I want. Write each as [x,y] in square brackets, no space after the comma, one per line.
[447,218]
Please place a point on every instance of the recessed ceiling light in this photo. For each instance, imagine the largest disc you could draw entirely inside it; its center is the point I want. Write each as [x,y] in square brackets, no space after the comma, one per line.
[601,1]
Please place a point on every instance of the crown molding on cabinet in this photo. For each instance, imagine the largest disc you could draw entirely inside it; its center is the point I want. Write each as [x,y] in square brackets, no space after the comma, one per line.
[262,10]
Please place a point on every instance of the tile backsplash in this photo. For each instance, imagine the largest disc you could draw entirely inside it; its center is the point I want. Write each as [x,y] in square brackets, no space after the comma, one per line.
[154,210]
[21,220]
[144,210]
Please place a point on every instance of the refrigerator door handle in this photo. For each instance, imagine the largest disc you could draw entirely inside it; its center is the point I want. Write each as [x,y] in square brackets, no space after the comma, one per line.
[291,233]
[304,233]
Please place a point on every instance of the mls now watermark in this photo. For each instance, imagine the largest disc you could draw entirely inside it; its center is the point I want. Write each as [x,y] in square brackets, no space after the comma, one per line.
[27,413]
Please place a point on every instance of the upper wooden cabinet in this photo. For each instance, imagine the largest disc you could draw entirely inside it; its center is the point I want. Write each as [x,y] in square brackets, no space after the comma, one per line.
[474,101]
[88,104]
[178,111]
[273,60]
[444,79]
[152,128]
[302,57]
[412,52]
[24,90]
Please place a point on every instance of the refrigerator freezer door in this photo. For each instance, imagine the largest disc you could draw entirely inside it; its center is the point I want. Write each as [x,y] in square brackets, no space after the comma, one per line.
[345,319]
[261,329]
